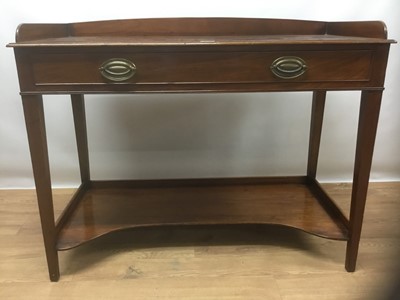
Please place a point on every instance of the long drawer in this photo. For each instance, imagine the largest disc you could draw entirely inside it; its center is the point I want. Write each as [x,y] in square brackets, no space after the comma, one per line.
[110,68]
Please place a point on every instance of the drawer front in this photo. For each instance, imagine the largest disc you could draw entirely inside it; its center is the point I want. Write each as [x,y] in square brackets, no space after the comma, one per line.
[200,67]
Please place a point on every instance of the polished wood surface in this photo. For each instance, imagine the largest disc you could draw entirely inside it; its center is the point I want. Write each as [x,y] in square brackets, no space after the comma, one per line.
[34,114]
[180,263]
[108,209]
[209,67]
[187,41]
[368,123]
[200,26]
[317,117]
[200,55]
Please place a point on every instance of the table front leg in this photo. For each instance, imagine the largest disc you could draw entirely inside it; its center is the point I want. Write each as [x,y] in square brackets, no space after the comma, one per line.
[367,126]
[35,126]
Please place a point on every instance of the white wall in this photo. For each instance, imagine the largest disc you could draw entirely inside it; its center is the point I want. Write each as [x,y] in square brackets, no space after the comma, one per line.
[197,135]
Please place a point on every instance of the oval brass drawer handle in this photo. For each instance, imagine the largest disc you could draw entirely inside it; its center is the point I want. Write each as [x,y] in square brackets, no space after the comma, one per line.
[118,69]
[288,67]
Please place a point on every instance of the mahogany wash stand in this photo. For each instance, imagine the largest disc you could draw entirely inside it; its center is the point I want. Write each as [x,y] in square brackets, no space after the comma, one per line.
[198,55]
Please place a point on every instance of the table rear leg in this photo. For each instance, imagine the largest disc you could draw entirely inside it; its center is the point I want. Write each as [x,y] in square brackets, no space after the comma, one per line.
[78,109]
[317,116]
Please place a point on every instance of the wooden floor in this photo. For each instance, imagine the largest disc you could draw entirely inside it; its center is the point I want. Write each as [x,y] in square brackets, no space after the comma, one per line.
[244,262]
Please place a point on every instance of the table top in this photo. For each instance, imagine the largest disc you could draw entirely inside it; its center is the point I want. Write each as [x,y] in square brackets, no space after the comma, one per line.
[73,41]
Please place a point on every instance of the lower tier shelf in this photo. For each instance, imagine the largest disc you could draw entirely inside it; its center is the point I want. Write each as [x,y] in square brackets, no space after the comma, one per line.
[101,207]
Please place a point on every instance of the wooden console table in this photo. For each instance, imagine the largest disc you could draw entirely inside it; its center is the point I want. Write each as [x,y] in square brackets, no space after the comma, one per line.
[195,56]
